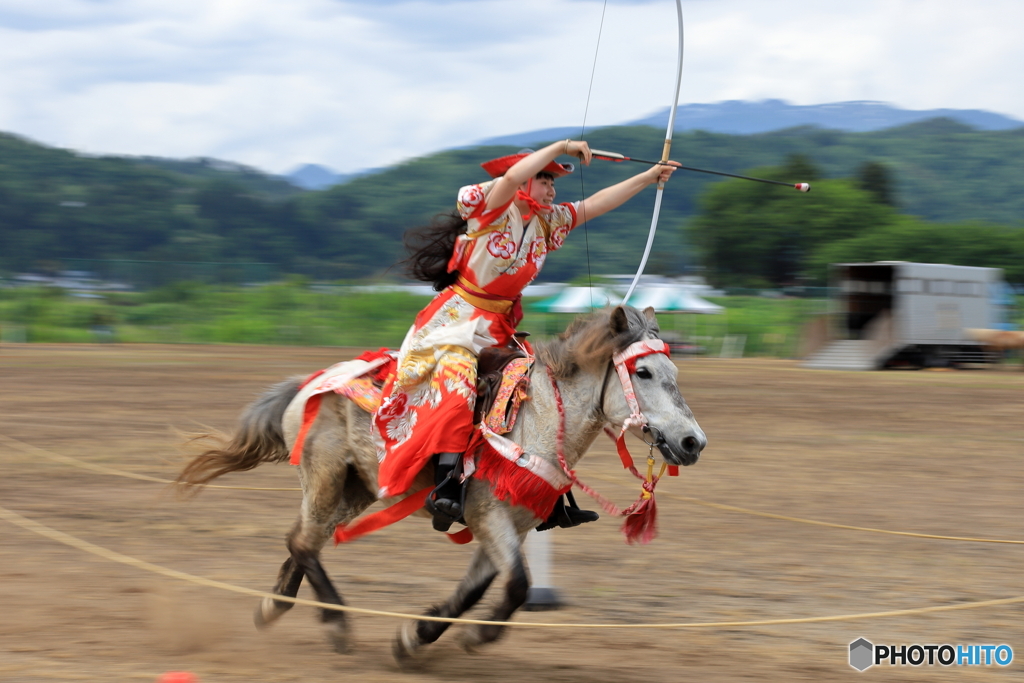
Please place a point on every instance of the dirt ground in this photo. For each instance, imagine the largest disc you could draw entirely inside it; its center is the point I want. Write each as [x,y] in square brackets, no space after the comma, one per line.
[926,452]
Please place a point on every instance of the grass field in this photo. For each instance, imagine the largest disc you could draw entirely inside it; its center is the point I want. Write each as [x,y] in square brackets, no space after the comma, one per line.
[293,314]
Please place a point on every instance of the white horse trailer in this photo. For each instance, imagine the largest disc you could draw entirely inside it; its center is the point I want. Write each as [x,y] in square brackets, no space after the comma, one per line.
[894,313]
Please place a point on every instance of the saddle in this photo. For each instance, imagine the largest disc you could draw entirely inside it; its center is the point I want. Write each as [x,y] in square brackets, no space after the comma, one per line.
[490,366]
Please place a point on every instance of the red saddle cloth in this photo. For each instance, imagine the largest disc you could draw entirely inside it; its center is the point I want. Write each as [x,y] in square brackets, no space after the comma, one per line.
[363,388]
[514,476]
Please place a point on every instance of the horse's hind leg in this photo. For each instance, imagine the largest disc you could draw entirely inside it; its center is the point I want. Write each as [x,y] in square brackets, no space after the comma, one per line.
[333,493]
[413,634]
[288,581]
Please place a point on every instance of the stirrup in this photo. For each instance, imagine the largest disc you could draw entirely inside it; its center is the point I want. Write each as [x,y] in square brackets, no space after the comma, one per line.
[567,516]
[444,518]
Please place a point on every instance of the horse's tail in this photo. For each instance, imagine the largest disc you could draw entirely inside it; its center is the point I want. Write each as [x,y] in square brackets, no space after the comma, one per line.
[259,439]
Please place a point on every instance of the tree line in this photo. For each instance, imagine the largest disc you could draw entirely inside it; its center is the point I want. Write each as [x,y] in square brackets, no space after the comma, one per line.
[950,193]
[750,236]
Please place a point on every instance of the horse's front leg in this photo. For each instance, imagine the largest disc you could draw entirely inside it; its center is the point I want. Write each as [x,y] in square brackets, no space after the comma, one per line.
[414,634]
[502,542]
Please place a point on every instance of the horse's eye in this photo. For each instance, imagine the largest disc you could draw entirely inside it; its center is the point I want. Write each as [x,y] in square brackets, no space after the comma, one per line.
[643,373]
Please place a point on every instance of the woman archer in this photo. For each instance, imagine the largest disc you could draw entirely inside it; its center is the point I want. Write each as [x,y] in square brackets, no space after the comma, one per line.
[480,258]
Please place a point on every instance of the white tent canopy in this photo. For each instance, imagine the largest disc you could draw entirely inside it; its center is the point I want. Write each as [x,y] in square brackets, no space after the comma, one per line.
[668,299]
[578,300]
[664,299]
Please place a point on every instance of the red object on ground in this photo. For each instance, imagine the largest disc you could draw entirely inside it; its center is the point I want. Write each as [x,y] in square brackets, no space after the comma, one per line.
[178,677]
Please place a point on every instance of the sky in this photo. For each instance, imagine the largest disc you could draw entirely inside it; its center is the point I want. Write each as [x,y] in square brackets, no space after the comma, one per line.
[362,84]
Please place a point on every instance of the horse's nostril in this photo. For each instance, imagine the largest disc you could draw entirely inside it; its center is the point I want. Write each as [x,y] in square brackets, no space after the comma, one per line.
[691,444]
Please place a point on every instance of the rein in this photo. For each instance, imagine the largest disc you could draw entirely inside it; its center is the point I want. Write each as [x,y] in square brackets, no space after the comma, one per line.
[641,514]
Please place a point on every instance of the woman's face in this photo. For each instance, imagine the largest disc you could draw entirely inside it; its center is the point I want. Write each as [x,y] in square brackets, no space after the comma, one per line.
[543,190]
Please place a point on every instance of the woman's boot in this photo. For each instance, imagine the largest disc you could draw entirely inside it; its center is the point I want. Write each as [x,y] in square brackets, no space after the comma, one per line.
[447,501]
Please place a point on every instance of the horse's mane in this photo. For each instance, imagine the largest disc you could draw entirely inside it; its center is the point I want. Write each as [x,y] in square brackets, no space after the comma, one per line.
[590,341]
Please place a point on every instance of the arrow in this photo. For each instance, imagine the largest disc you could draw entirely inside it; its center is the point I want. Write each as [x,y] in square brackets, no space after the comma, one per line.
[616,157]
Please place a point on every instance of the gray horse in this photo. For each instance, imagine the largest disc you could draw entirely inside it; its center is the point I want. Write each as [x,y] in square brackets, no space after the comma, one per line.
[338,470]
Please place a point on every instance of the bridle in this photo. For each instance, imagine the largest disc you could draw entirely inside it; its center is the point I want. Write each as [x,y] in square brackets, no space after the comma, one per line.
[624,363]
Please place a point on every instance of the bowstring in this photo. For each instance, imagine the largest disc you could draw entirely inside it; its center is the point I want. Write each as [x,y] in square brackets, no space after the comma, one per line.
[583,129]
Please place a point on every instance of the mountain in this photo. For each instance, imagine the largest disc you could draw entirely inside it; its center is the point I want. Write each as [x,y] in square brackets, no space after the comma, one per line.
[531,138]
[748,118]
[733,117]
[751,118]
[204,169]
[314,177]
[317,177]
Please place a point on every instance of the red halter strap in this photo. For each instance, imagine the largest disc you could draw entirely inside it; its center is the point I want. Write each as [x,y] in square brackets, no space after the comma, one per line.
[640,516]
[625,365]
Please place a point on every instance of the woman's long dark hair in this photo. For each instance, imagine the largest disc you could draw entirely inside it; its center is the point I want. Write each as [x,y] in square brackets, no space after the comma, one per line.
[430,248]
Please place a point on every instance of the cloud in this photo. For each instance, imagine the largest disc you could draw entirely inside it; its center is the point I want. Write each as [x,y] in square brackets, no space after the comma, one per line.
[362,84]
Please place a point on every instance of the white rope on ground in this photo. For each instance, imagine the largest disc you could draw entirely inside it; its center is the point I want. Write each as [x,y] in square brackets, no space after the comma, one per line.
[102,469]
[815,522]
[105,553]
[833,525]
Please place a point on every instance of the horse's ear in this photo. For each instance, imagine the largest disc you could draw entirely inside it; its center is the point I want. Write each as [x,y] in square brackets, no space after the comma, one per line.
[652,321]
[619,321]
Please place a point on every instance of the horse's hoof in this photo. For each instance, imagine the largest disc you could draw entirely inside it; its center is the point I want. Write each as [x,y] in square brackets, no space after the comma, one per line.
[338,637]
[267,612]
[469,641]
[405,646]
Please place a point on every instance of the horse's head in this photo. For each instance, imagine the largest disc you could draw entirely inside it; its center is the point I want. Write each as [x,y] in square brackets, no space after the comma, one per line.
[667,422]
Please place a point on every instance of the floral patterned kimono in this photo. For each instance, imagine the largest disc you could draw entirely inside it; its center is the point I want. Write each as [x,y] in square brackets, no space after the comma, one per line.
[428,404]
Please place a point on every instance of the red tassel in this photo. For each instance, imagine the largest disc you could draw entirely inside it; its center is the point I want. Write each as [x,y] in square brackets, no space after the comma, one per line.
[641,523]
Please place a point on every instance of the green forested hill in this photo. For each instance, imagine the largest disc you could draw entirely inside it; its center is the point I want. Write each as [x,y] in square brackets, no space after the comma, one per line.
[57,205]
